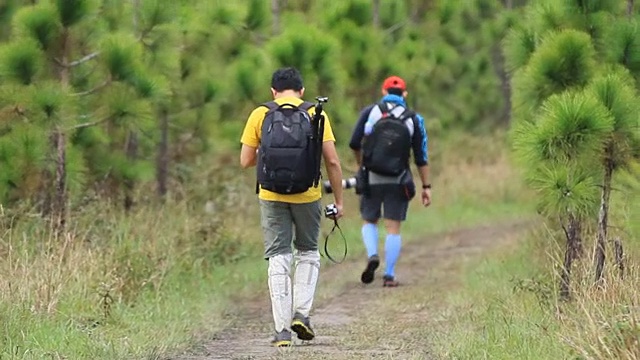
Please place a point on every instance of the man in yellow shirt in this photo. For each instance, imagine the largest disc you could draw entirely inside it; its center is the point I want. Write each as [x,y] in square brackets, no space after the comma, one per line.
[290,204]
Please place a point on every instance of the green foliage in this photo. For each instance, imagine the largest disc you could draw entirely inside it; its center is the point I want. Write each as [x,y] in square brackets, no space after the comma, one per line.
[563,60]
[357,12]
[39,22]
[209,63]
[623,45]
[547,16]
[124,109]
[392,13]
[593,6]
[257,15]
[565,190]
[50,100]
[577,106]
[156,12]
[618,94]
[573,127]
[120,56]
[21,61]
[519,44]
[21,158]
[72,12]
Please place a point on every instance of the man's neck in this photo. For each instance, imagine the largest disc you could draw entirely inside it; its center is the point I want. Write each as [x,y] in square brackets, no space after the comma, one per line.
[287,93]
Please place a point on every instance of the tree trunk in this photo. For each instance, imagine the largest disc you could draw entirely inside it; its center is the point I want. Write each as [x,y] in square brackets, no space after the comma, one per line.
[619,253]
[58,206]
[603,216]
[505,83]
[162,169]
[132,155]
[376,14]
[572,233]
[275,15]
[59,202]
[630,8]
[136,10]
[131,146]
[419,10]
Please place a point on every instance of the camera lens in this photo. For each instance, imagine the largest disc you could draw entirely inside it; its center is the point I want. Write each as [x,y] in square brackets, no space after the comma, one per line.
[327,187]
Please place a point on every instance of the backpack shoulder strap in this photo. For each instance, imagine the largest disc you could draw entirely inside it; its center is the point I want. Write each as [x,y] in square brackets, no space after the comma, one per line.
[306,105]
[271,105]
[407,114]
[386,111]
[383,107]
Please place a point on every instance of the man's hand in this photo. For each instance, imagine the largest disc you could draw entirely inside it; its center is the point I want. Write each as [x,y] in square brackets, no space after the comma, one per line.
[340,212]
[426,197]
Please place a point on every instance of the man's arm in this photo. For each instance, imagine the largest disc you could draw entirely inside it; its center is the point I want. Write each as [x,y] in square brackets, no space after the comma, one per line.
[248,156]
[251,138]
[423,171]
[358,133]
[420,148]
[421,155]
[334,170]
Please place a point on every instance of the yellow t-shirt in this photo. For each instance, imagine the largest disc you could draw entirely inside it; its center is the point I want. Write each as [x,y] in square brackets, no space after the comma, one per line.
[251,137]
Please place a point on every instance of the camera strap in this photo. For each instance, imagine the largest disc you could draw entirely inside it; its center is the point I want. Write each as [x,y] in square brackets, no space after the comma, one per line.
[326,241]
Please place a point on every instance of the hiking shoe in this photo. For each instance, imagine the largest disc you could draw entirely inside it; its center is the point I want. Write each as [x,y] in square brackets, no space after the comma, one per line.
[389,281]
[302,327]
[369,272]
[282,339]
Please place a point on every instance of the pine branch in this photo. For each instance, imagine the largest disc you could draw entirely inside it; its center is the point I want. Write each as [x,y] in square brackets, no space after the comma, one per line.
[77,62]
[189,108]
[396,27]
[84,59]
[89,124]
[95,89]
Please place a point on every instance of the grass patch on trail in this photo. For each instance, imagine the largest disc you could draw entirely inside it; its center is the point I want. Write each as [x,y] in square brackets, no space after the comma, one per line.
[506,306]
[151,283]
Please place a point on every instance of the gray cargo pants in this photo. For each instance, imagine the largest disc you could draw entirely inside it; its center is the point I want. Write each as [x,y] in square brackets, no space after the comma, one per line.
[283,223]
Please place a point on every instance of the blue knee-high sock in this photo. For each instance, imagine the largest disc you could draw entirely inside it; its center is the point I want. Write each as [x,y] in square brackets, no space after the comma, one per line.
[370,238]
[392,246]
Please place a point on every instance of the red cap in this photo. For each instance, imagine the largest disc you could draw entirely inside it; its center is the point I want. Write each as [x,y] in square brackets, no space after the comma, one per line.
[394,82]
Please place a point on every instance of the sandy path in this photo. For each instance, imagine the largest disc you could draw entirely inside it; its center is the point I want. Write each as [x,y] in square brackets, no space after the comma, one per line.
[343,317]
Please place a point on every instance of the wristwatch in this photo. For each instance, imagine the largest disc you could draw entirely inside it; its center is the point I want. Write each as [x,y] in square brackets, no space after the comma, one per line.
[424,187]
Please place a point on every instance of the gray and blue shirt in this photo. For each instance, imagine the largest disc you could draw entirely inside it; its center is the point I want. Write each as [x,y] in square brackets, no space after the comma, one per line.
[371,114]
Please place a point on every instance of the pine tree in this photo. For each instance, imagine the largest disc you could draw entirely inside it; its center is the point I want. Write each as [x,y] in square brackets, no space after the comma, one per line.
[38,63]
[576,50]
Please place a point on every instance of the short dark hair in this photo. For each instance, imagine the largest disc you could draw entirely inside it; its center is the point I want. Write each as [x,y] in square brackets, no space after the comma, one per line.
[395,91]
[287,78]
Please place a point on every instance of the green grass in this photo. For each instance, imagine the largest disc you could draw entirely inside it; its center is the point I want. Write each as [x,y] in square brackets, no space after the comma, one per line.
[162,278]
[507,305]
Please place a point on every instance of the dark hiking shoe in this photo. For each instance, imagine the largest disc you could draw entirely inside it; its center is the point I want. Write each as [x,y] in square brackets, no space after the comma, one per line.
[389,281]
[302,327]
[369,272]
[282,339]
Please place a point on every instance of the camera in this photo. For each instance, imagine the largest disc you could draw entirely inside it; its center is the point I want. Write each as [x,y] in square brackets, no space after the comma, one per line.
[346,184]
[330,210]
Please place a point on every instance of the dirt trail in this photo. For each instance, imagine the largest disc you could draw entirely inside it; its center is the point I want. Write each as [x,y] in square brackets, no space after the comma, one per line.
[345,304]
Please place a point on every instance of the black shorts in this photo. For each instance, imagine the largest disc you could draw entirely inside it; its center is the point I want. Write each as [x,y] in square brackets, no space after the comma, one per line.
[392,199]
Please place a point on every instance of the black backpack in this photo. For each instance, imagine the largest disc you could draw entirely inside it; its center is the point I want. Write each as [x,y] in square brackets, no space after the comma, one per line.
[287,158]
[386,151]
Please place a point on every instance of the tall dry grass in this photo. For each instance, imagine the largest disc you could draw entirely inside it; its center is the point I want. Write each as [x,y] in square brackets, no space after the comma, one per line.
[112,270]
